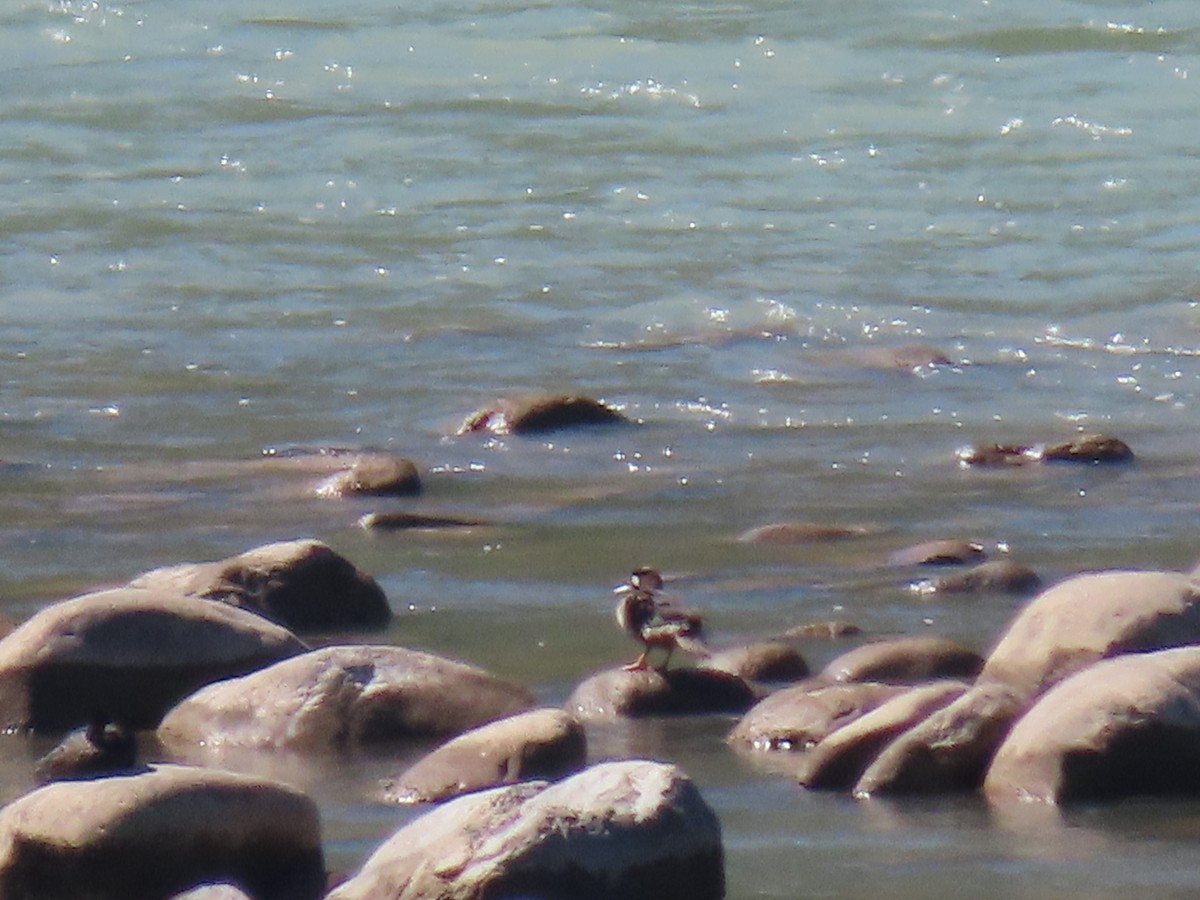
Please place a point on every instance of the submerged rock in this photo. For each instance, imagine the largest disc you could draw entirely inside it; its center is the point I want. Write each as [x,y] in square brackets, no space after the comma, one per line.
[102,748]
[799,717]
[951,552]
[341,697]
[995,576]
[1092,449]
[304,585]
[633,829]
[148,836]
[535,415]
[542,743]
[618,693]
[374,475]
[403,521]
[905,660]
[801,533]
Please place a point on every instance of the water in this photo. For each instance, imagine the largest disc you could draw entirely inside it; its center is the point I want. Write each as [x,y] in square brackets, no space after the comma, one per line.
[231,231]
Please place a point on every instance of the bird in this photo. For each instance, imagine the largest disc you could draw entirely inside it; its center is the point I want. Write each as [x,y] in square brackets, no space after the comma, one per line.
[652,620]
[103,747]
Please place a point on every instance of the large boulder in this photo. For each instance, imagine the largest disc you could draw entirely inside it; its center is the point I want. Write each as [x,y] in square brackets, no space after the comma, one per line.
[1121,727]
[620,693]
[129,654]
[304,585]
[541,413]
[633,829]
[341,697]
[148,836]
[540,744]
[797,718]
[1089,617]
[906,660]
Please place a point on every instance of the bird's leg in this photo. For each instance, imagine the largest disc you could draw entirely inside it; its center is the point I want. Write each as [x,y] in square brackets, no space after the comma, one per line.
[638,664]
[667,661]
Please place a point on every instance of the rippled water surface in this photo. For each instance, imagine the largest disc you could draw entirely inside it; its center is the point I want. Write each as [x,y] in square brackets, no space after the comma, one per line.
[235,233]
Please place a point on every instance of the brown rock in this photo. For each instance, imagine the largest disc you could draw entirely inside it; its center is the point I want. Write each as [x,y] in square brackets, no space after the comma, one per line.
[1000,576]
[905,661]
[760,661]
[998,455]
[338,697]
[619,693]
[1086,618]
[952,552]
[907,357]
[535,415]
[1089,448]
[632,829]
[403,521]
[838,761]
[540,744]
[1120,727]
[129,654]
[823,630]
[147,836]
[801,533]
[374,475]
[102,748]
[304,585]
[799,717]
[948,751]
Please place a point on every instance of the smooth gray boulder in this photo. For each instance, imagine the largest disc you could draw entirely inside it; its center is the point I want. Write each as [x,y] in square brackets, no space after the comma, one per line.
[128,654]
[620,693]
[633,829]
[1089,617]
[906,660]
[1121,727]
[148,836]
[799,717]
[539,744]
[304,585]
[341,697]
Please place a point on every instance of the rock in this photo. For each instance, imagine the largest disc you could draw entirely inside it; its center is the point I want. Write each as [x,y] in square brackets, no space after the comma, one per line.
[997,455]
[905,661]
[948,751]
[799,717]
[801,533]
[760,661]
[374,475]
[1121,727]
[633,829]
[341,697]
[951,552]
[127,653]
[539,414]
[618,693]
[838,761]
[401,521]
[102,748]
[303,585]
[823,630]
[1086,618]
[147,836]
[216,891]
[906,358]
[1000,576]
[1089,448]
[542,743]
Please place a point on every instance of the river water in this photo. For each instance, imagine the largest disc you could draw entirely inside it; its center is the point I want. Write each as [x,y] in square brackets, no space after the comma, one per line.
[234,233]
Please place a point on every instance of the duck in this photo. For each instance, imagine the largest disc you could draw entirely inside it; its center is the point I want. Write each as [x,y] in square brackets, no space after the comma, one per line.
[654,622]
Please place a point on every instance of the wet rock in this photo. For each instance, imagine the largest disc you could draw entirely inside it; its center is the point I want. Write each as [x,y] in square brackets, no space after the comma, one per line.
[948,751]
[1121,727]
[951,552]
[402,521]
[127,652]
[904,660]
[633,829]
[540,744]
[304,585]
[801,533]
[1000,576]
[1086,618]
[374,475]
[760,661]
[1091,449]
[907,357]
[341,697]
[997,455]
[823,630]
[148,836]
[102,748]
[618,693]
[838,761]
[536,415]
[799,717]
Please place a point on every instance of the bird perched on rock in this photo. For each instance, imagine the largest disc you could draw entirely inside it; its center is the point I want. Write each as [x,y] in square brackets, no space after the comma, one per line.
[655,622]
[104,747]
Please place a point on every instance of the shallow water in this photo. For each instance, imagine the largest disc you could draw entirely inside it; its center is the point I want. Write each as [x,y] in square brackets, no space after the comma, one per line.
[233,231]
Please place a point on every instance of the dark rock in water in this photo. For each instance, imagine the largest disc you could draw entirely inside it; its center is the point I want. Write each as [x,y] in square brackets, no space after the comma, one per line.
[799,717]
[1121,727]
[341,697]
[133,653]
[760,661]
[148,836]
[905,661]
[632,829]
[952,552]
[906,357]
[801,533]
[374,475]
[618,693]
[303,585]
[838,761]
[540,744]
[1088,448]
[1083,619]
[535,415]
[948,751]
[997,455]
[823,630]
[102,748]
[1000,576]
[401,521]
